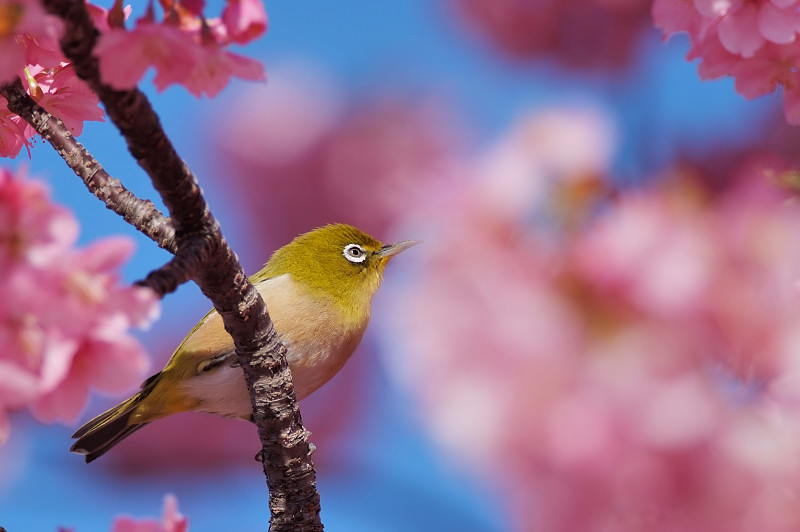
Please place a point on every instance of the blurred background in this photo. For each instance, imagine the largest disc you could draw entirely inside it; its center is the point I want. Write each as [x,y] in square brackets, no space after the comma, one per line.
[596,334]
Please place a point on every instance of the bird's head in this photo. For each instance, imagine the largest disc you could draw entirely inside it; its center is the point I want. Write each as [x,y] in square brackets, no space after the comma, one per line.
[338,262]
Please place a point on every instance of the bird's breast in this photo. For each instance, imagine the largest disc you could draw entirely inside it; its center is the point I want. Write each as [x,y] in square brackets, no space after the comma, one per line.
[318,337]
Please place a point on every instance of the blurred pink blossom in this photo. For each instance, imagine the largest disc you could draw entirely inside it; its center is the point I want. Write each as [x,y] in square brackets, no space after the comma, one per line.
[33,230]
[636,370]
[582,33]
[171,521]
[305,156]
[640,253]
[28,35]
[64,316]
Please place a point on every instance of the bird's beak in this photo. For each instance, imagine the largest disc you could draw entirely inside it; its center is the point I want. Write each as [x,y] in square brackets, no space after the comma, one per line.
[390,250]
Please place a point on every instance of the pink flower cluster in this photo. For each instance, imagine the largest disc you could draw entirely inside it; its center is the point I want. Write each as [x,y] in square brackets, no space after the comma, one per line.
[29,49]
[185,48]
[636,369]
[64,316]
[754,41]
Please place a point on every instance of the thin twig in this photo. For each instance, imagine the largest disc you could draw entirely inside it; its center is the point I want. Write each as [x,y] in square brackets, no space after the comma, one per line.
[174,273]
[142,214]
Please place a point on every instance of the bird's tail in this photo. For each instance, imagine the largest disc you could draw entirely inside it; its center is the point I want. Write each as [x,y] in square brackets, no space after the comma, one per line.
[101,433]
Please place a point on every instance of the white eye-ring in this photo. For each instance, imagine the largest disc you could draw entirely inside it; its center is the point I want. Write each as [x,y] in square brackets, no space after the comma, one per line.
[354,253]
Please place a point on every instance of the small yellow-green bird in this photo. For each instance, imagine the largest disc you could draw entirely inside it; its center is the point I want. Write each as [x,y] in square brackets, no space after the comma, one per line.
[318,290]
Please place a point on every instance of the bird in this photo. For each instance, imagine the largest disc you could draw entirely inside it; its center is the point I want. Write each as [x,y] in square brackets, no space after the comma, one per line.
[318,290]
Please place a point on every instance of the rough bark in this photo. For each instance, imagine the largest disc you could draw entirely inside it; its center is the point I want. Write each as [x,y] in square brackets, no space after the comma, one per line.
[202,254]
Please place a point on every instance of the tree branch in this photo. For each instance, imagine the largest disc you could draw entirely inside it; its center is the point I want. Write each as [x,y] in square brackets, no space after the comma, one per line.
[177,271]
[203,254]
[141,128]
[142,214]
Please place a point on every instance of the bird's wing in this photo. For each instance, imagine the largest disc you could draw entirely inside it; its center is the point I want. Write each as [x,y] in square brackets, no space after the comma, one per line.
[208,338]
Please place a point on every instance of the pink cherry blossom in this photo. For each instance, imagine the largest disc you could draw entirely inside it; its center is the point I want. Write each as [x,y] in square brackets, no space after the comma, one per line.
[189,49]
[178,56]
[754,42]
[244,20]
[777,24]
[100,311]
[65,95]
[100,16]
[171,520]
[771,67]
[60,92]
[745,26]
[13,132]
[213,69]
[716,60]
[674,16]
[166,48]
[27,36]
[64,316]
[739,32]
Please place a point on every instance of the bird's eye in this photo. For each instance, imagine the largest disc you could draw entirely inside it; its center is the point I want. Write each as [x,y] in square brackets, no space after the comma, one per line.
[354,253]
